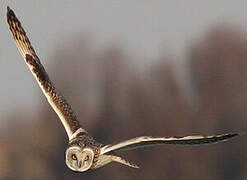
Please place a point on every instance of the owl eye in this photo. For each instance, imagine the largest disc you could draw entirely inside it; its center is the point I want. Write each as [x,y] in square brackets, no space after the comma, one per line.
[73,156]
[86,158]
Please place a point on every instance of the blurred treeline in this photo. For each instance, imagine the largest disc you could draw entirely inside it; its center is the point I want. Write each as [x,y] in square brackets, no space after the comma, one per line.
[116,98]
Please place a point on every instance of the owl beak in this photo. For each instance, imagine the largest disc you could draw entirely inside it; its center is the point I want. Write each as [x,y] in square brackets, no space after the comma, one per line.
[79,163]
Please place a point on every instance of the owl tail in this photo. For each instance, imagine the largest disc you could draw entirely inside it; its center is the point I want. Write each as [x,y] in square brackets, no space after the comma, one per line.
[123,161]
[106,159]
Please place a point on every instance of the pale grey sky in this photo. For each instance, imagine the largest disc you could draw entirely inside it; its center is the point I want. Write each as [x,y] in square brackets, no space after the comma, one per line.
[144,28]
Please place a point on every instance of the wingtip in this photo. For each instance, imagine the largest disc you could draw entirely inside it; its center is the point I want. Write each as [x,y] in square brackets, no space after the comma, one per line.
[235,134]
[230,136]
[10,13]
[9,9]
[238,134]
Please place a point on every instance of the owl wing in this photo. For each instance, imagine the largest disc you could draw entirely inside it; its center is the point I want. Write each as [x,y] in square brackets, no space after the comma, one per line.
[56,100]
[143,141]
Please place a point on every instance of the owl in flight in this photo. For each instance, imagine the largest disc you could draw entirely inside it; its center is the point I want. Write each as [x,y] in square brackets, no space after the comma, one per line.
[84,152]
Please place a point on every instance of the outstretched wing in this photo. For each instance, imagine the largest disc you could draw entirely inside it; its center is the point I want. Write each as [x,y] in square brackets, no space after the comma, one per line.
[56,100]
[144,141]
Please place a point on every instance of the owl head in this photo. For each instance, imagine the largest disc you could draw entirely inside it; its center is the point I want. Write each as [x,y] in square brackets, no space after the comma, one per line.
[79,159]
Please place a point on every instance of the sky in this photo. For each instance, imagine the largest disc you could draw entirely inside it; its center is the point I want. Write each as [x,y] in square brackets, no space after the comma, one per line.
[145,29]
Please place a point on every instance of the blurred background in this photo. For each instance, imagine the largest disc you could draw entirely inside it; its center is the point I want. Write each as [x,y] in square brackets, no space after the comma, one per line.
[128,68]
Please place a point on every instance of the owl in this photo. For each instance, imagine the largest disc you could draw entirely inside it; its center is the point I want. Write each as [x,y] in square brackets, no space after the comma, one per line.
[84,152]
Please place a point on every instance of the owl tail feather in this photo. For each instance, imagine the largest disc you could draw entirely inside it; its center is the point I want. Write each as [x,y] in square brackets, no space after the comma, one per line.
[106,159]
[123,161]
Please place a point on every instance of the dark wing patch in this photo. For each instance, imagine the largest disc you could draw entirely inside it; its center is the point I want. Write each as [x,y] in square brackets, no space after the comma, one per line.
[19,35]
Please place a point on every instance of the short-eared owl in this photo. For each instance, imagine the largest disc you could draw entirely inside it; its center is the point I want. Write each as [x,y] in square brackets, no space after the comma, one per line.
[84,152]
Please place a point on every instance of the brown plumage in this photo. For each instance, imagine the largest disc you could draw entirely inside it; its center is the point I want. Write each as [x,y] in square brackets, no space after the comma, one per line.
[54,97]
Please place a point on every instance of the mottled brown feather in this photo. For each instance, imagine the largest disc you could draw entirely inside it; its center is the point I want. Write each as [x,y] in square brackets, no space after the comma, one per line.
[54,97]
